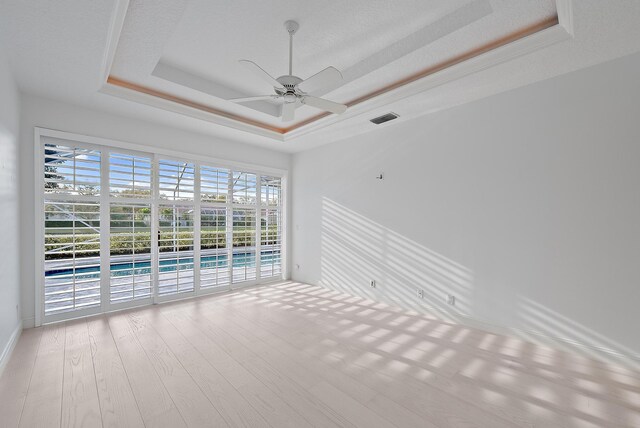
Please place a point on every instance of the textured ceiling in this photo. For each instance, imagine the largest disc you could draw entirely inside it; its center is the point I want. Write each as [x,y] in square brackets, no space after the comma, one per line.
[191,49]
[207,43]
[55,43]
[343,34]
[58,50]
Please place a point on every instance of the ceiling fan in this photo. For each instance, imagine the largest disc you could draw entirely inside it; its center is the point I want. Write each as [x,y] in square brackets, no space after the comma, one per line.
[292,90]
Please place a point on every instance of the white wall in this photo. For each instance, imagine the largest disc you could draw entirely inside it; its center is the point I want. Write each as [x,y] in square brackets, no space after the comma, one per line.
[524,205]
[40,112]
[9,215]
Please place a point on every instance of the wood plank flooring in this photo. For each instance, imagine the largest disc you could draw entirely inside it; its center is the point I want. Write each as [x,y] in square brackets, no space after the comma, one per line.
[295,355]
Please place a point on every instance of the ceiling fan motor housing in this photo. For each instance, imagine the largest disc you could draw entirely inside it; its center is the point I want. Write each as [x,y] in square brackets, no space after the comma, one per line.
[290,84]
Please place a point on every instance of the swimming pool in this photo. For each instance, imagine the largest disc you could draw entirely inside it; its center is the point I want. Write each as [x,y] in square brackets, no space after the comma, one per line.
[169,264]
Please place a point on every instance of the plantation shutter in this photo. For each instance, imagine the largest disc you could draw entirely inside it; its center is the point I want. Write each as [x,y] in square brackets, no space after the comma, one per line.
[271,227]
[244,199]
[130,272]
[123,228]
[215,264]
[176,186]
[71,227]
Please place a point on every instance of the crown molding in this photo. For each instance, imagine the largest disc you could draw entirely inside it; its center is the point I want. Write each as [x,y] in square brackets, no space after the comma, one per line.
[527,40]
[165,101]
[523,42]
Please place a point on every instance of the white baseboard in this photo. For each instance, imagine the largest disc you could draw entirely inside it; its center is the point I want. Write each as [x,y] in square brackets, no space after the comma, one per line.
[28,323]
[591,350]
[595,349]
[8,349]
[599,352]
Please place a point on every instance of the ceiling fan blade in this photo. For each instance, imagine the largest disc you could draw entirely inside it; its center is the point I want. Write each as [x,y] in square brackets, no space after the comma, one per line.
[288,111]
[323,104]
[326,78]
[258,98]
[260,73]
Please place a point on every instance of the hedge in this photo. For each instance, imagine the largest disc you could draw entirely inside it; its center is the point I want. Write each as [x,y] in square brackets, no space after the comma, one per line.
[88,245]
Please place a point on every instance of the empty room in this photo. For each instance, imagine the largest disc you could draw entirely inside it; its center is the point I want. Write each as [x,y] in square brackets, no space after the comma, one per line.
[298,213]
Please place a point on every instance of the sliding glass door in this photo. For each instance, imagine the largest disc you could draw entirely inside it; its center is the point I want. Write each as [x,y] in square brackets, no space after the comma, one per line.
[215,229]
[176,190]
[123,228]
[130,227]
[270,226]
[72,228]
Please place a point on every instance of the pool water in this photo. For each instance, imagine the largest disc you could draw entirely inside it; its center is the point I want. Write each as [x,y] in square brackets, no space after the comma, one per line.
[169,265]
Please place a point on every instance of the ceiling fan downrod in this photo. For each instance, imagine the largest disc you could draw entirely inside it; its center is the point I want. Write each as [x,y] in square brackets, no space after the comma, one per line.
[292,28]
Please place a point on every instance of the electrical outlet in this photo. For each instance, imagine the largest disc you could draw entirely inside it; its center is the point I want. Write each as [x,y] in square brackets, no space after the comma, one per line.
[451,299]
[372,283]
[420,293]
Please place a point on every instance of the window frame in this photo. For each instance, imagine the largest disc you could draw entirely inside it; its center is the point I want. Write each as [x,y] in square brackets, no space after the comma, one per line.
[106,147]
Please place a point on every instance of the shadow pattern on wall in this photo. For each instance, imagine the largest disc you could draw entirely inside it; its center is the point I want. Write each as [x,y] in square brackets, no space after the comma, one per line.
[355,250]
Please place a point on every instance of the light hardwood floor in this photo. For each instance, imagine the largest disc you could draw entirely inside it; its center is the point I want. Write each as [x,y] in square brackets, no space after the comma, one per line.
[295,355]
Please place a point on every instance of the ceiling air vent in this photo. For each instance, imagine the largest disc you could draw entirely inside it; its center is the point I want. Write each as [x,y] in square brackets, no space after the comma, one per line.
[384,118]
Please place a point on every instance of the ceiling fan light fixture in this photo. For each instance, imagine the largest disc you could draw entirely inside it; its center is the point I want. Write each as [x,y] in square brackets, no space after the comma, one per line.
[290,97]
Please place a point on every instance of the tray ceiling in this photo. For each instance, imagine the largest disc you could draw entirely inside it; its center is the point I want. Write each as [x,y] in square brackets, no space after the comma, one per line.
[187,52]
[65,51]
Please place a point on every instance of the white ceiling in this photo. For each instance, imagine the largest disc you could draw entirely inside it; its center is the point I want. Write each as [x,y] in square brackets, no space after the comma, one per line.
[190,49]
[61,50]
